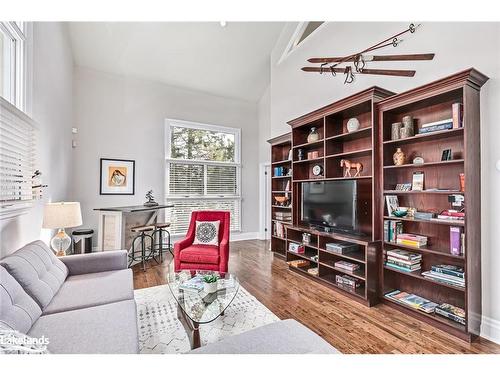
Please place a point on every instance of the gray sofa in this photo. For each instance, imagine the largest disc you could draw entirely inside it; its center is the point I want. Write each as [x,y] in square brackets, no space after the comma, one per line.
[283,337]
[81,303]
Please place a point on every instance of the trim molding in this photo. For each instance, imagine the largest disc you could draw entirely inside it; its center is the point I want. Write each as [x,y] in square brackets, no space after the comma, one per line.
[241,236]
[490,329]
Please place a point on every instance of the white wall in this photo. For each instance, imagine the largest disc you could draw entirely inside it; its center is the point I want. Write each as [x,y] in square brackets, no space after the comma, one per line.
[264,118]
[457,46]
[52,110]
[120,117]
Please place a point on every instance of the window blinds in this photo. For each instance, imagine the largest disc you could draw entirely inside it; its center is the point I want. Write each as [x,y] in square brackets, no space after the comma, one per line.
[181,213]
[17,160]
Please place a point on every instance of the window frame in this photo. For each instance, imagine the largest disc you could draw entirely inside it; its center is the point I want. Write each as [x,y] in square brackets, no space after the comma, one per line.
[20,35]
[236,132]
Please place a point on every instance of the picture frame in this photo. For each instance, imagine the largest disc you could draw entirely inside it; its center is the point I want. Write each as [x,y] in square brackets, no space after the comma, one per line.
[446,155]
[392,204]
[116,177]
[418,181]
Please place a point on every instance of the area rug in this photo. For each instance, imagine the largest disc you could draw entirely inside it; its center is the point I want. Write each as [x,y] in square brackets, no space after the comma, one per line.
[160,332]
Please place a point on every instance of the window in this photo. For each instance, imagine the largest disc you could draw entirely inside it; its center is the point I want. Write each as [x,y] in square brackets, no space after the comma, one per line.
[13,62]
[18,184]
[203,171]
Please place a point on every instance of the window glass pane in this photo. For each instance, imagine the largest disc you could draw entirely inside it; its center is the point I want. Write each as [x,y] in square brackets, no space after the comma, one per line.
[186,179]
[221,180]
[6,50]
[200,144]
[181,213]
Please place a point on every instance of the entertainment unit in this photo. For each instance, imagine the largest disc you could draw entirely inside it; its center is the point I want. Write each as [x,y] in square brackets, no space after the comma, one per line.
[337,234]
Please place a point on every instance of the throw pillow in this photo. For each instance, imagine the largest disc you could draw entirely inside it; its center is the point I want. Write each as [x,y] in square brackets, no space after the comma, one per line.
[207,233]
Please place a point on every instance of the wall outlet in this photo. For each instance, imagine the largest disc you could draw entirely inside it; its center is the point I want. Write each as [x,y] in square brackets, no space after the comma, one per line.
[74,130]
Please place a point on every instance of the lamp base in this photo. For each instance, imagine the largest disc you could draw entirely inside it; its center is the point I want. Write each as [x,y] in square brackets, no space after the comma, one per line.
[60,243]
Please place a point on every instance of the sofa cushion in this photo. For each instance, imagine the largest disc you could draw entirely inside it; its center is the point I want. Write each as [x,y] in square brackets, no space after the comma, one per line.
[200,254]
[38,270]
[92,289]
[104,329]
[18,311]
[283,337]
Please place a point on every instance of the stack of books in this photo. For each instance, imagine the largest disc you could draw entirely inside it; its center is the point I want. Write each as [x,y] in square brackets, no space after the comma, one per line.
[392,228]
[413,301]
[402,260]
[410,239]
[447,274]
[283,216]
[351,267]
[451,312]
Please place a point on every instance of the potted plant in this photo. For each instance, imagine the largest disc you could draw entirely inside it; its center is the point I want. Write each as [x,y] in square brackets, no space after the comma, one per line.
[210,283]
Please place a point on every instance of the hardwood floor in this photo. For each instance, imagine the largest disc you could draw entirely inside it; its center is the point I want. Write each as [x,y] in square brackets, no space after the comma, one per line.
[347,325]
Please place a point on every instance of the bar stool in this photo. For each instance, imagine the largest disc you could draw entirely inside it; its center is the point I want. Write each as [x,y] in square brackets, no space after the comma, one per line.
[140,255]
[161,232]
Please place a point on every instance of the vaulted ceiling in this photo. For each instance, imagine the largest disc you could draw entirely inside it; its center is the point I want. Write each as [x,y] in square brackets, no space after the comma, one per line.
[230,61]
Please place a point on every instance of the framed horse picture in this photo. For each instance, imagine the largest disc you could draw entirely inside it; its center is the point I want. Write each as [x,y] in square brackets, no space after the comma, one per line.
[117,177]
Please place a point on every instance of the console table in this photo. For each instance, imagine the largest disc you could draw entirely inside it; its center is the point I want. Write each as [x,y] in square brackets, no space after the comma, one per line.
[115,223]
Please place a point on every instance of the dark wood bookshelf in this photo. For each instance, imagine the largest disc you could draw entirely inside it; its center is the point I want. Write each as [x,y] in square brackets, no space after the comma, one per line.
[280,149]
[429,103]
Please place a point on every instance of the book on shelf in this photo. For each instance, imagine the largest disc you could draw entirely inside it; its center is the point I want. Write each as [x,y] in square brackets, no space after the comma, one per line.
[404,255]
[402,262]
[457,110]
[392,228]
[436,128]
[351,267]
[451,312]
[436,123]
[278,230]
[450,270]
[411,239]
[439,277]
[412,300]
[402,268]
[455,240]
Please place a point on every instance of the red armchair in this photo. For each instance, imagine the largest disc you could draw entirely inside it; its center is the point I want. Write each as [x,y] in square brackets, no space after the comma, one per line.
[204,257]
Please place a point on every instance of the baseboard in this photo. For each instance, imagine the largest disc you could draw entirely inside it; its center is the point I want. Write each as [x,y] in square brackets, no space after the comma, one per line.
[241,236]
[490,329]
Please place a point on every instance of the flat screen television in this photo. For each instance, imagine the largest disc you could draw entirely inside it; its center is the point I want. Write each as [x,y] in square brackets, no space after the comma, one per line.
[330,204]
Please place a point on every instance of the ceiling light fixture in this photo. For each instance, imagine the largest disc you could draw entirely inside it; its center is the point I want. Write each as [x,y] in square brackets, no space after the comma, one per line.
[223,23]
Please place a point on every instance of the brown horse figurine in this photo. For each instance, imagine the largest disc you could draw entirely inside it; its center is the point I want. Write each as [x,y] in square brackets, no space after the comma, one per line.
[348,165]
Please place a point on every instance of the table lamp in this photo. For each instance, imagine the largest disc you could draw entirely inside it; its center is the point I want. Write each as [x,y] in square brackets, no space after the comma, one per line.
[61,215]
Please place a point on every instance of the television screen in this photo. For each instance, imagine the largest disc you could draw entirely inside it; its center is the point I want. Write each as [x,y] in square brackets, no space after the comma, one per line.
[330,204]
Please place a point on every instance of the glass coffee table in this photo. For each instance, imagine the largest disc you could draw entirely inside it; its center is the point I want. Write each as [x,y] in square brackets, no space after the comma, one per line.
[195,306]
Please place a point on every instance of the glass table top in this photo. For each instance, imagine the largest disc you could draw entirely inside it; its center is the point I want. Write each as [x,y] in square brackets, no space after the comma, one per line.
[199,306]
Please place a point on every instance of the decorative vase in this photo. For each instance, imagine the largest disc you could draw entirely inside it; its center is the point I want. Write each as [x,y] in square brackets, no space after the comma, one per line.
[313,135]
[407,128]
[398,157]
[300,154]
[210,287]
[352,125]
[395,130]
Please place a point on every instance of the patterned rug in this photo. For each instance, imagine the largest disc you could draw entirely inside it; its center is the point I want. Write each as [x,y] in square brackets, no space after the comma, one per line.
[160,332]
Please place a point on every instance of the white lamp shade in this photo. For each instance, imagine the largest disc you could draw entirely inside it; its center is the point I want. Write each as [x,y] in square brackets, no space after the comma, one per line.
[62,215]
